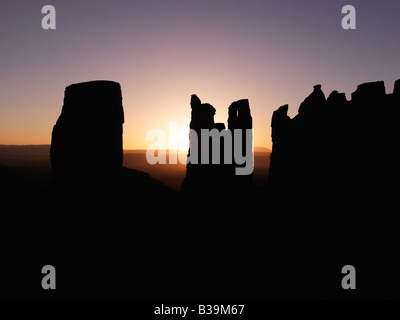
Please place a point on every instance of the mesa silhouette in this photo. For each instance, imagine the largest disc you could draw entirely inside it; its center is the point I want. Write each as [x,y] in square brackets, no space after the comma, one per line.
[91,125]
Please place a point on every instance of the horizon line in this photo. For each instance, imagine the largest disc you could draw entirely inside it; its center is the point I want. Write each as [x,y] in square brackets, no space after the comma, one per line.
[124,149]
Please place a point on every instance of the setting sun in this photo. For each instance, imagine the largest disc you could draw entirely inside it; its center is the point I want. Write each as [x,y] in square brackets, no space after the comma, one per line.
[183,140]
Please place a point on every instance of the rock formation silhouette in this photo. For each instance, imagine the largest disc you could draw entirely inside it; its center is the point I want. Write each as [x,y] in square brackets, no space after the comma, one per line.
[333,178]
[396,89]
[337,154]
[113,232]
[207,180]
[87,137]
[96,210]
[216,182]
[296,142]
[240,118]
[86,148]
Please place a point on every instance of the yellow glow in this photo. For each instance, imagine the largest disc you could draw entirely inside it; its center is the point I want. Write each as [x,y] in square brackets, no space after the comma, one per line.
[183,140]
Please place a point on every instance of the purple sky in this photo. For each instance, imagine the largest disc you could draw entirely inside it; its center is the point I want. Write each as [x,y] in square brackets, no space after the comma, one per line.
[271,52]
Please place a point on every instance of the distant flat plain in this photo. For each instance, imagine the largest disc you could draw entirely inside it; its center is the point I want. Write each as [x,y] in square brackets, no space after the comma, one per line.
[33,161]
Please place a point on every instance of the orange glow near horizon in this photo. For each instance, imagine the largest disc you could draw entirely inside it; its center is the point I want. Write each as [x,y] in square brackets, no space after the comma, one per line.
[269,52]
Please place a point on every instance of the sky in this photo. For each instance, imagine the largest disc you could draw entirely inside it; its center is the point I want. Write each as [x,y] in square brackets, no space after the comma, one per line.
[161,52]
